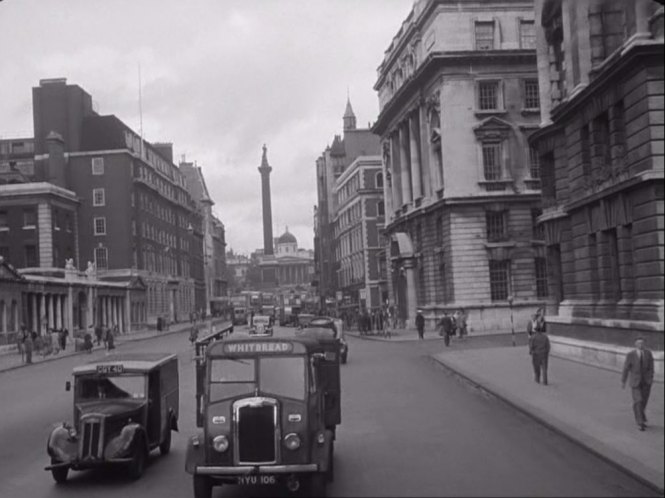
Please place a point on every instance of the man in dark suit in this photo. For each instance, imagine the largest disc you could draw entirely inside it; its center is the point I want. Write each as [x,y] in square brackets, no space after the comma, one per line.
[539,349]
[639,366]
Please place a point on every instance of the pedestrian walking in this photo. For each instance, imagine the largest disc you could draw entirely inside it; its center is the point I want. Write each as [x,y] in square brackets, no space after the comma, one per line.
[447,328]
[539,349]
[193,335]
[460,323]
[20,338]
[87,343]
[28,346]
[638,366]
[99,334]
[420,324]
[109,339]
[540,320]
[63,338]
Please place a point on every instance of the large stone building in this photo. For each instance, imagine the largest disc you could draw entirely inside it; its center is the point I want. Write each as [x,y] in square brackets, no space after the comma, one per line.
[601,154]
[330,165]
[458,96]
[357,227]
[103,198]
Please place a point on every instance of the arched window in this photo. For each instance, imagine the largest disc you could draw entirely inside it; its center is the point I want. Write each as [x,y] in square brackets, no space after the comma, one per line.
[379,180]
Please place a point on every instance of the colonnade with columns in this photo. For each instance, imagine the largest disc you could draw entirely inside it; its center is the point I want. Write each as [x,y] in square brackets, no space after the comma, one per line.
[292,274]
[47,310]
[111,312]
[412,155]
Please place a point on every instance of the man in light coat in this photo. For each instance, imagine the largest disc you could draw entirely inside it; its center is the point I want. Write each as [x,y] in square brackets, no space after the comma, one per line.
[639,367]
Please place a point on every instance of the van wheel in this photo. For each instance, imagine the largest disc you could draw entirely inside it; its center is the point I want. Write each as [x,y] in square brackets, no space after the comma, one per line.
[137,465]
[202,487]
[60,473]
[165,446]
[317,485]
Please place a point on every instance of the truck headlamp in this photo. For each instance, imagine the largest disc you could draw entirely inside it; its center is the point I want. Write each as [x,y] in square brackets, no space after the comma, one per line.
[292,441]
[220,443]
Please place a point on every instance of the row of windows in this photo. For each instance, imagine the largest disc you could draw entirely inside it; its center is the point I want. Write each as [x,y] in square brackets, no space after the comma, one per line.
[148,204]
[494,162]
[496,223]
[162,186]
[348,189]
[348,217]
[352,271]
[30,220]
[349,243]
[500,279]
[150,232]
[490,95]
[485,34]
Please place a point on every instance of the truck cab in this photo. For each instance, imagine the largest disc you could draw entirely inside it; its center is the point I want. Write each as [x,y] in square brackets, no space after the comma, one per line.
[125,406]
[268,413]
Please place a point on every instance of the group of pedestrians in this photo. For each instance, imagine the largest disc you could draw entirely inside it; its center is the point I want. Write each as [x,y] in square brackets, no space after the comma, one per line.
[448,326]
[638,368]
[30,342]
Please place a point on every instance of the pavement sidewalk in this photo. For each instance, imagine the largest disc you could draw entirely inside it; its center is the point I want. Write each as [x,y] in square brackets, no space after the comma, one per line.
[11,361]
[584,403]
[397,335]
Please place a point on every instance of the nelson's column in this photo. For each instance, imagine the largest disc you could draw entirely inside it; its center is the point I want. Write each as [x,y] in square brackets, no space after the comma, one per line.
[268,273]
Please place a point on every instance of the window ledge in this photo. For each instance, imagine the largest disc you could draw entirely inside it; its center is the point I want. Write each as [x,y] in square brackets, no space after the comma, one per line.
[4,229]
[537,242]
[29,227]
[490,112]
[504,243]
[530,111]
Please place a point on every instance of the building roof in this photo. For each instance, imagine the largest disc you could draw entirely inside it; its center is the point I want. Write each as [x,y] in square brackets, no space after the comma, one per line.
[287,238]
[196,184]
[348,113]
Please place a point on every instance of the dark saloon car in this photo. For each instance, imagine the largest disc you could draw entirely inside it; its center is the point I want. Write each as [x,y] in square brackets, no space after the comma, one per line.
[125,405]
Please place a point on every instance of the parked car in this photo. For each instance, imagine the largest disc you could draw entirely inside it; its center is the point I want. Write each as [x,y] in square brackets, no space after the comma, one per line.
[261,325]
[125,406]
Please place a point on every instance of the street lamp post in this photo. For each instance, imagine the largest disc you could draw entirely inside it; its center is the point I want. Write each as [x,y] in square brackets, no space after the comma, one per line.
[512,323]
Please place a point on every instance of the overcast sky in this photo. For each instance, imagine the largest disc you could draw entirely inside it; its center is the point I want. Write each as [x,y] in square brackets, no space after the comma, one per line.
[220,79]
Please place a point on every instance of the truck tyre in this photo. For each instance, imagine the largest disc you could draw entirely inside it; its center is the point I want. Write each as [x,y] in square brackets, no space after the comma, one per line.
[60,473]
[139,458]
[330,474]
[317,485]
[202,487]
[165,446]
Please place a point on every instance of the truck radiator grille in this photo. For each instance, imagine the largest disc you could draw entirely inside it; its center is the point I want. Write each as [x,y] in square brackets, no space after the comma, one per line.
[256,434]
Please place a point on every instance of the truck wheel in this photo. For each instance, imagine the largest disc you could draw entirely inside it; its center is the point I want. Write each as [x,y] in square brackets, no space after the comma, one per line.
[165,446]
[202,487]
[137,465]
[330,474]
[317,485]
[60,473]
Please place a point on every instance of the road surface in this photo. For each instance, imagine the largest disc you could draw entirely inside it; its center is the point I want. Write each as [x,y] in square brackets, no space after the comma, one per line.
[407,429]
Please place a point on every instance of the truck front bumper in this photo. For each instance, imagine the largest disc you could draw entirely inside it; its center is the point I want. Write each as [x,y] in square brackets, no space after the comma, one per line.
[211,470]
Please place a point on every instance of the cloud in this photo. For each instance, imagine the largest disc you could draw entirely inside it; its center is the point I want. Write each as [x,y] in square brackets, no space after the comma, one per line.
[219,79]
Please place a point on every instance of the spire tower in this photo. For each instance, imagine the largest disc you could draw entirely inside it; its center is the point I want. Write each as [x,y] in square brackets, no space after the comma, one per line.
[265,170]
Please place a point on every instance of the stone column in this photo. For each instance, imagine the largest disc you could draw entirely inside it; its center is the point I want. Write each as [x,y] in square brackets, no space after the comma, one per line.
[414,149]
[411,298]
[127,323]
[34,312]
[395,172]
[90,312]
[404,164]
[429,179]
[42,314]
[69,307]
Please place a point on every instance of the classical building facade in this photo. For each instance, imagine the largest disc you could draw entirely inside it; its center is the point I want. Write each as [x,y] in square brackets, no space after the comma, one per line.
[357,228]
[458,96]
[345,148]
[601,154]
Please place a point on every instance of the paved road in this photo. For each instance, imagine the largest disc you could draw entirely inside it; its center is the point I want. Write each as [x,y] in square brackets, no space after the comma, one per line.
[408,429]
